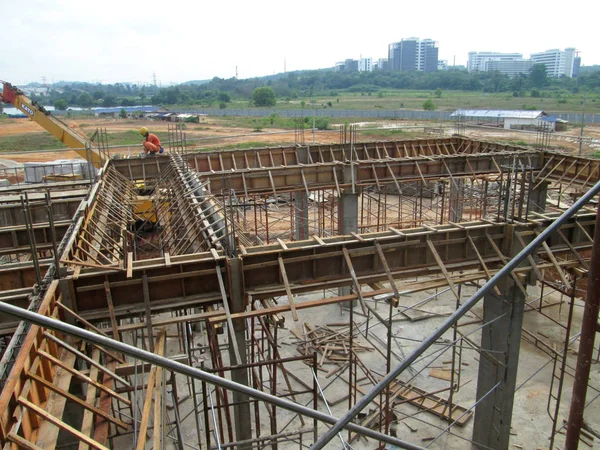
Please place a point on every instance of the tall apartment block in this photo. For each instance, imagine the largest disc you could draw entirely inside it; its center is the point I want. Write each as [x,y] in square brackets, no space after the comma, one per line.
[558,62]
[413,54]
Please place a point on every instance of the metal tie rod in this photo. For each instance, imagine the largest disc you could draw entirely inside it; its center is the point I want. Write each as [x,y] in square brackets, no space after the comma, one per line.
[450,321]
[161,361]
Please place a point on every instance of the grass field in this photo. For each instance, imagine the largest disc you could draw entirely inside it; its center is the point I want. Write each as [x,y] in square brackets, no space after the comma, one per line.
[449,101]
[45,141]
[29,141]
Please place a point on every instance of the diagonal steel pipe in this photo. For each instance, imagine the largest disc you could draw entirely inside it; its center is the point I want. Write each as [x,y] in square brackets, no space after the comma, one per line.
[450,321]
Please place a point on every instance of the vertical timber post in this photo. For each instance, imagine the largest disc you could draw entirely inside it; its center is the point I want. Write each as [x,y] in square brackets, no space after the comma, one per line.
[301,200]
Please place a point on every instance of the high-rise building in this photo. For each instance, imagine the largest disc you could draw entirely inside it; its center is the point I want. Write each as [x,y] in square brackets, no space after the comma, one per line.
[479,61]
[558,62]
[413,54]
[365,64]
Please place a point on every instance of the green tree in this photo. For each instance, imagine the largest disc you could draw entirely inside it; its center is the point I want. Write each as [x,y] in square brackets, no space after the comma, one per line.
[224,97]
[61,104]
[429,105]
[264,96]
[123,114]
[438,93]
[109,101]
[538,76]
[302,104]
[98,95]
[85,100]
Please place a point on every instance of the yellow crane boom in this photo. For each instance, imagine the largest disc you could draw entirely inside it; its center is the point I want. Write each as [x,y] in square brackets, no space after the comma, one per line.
[60,130]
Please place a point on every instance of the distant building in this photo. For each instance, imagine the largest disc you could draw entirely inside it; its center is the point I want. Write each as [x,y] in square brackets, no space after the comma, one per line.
[365,64]
[576,66]
[349,65]
[413,54]
[558,62]
[481,61]
[510,68]
[507,119]
[442,64]
[381,64]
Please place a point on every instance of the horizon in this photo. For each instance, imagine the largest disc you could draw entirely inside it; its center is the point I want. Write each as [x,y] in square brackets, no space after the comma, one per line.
[131,42]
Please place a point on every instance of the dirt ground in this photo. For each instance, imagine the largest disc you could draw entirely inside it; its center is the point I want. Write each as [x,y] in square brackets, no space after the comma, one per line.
[217,133]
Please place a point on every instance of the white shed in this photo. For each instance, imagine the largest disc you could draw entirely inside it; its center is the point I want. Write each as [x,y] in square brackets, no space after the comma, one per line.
[503,118]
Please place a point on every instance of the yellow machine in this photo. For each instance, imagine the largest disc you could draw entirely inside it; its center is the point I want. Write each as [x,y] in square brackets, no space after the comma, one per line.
[80,144]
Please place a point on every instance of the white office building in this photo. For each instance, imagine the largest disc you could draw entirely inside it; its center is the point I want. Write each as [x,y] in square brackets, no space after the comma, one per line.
[365,64]
[479,61]
[558,62]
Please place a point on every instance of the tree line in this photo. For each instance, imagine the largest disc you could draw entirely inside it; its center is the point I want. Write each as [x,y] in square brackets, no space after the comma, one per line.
[302,84]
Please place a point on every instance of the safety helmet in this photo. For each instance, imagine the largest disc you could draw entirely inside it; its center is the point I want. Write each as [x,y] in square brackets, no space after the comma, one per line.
[143,131]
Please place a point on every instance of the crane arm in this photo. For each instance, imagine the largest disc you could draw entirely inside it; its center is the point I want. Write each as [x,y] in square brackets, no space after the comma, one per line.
[80,144]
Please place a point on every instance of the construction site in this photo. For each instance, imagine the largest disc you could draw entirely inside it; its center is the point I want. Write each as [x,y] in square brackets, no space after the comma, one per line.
[423,293]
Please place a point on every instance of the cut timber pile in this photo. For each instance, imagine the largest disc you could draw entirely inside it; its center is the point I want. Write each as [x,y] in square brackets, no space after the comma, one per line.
[332,346]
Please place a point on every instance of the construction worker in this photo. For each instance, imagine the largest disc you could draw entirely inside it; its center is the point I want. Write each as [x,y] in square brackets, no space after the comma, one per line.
[151,142]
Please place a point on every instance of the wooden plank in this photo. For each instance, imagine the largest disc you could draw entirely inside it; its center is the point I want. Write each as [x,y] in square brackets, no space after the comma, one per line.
[48,434]
[111,311]
[354,279]
[287,289]
[22,442]
[85,378]
[431,403]
[482,262]
[129,264]
[87,423]
[59,423]
[236,350]
[142,433]
[77,400]
[441,374]
[387,270]
[440,263]
[146,292]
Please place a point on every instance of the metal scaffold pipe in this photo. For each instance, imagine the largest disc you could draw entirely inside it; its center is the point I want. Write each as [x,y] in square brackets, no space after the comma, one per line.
[450,321]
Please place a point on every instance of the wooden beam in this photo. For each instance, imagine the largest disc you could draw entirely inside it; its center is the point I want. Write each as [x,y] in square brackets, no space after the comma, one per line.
[287,289]
[77,400]
[142,433]
[59,423]
[440,263]
[354,279]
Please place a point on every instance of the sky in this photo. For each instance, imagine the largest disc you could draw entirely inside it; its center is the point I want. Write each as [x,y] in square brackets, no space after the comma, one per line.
[110,41]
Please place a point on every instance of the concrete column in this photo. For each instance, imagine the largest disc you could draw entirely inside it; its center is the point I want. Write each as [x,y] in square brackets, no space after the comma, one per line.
[347,222]
[241,409]
[457,193]
[502,338]
[301,215]
[348,212]
[537,198]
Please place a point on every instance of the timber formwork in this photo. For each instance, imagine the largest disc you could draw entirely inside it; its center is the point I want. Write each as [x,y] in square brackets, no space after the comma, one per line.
[201,256]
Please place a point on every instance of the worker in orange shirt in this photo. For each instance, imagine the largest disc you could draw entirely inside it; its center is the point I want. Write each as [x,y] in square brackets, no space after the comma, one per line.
[151,142]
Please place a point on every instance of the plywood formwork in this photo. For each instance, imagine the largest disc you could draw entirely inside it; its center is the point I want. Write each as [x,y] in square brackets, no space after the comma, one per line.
[205,270]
